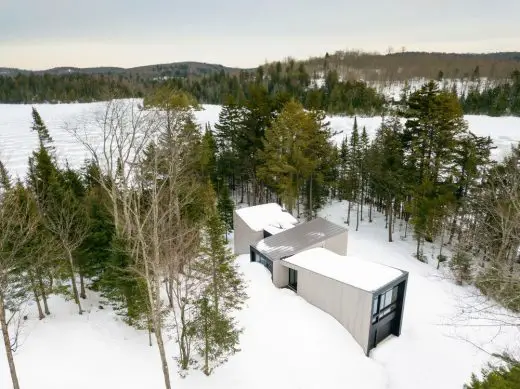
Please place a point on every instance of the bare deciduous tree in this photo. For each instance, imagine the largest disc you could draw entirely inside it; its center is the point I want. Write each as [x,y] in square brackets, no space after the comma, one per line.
[16,228]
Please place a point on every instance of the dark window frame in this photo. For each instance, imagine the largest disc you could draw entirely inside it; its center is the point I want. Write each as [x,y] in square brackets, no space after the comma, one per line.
[381,308]
[293,285]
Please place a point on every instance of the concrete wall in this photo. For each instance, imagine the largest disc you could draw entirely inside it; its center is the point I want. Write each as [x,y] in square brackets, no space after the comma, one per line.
[280,274]
[337,244]
[352,307]
[244,236]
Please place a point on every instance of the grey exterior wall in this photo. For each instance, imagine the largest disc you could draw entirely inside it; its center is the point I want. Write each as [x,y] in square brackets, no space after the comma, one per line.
[337,244]
[244,236]
[352,307]
[280,274]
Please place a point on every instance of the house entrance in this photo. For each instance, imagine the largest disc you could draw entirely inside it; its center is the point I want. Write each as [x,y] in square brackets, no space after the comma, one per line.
[293,279]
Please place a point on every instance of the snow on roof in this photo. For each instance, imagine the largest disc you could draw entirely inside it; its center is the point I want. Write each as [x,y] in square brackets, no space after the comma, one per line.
[261,216]
[298,239]
[349,270]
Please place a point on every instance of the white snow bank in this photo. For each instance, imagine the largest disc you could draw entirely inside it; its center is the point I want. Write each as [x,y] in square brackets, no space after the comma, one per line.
[349,270]
[259,217]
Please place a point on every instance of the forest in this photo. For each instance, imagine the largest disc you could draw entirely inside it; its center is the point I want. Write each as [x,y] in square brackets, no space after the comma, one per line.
[150,210]
[323,85]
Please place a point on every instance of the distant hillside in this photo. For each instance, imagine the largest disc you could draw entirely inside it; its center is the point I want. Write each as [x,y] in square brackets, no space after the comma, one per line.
[412,65]
[178,69]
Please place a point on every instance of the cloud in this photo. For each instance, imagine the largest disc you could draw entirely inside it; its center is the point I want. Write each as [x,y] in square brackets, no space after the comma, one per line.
[239,31]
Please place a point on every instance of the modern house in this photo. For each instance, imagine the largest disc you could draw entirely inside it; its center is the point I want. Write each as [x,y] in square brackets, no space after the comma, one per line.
[310,258]
[365,297]
[252,224]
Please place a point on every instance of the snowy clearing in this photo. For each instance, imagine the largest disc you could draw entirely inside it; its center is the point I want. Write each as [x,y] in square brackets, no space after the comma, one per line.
[286,341]
[17,141]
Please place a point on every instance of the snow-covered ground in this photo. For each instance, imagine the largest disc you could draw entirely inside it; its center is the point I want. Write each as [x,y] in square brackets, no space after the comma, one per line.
[441,341]
[394,89]
[17,141]
[286,341]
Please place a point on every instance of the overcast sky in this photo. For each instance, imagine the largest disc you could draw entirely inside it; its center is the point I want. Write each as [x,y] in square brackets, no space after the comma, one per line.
[38,34]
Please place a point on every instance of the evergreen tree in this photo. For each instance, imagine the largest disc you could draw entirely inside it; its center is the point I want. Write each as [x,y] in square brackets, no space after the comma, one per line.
[223,293]
[386,157]
[294,147]
[225,208]
[209,156]
[503,377]
[433,127]
[40,127]
[354,171]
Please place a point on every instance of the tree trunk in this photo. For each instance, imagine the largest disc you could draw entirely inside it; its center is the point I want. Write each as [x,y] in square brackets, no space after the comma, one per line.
[406,229]
[370,213]
[162,352]
[453,226]
[362,199]
[390,214]
[357,216]
[82,292]
[348,213]
[73,281]
[155,316]
[44,294]
[7,345]
[206,345]
[149,332]
[310,200]
[418,252]
[36,297]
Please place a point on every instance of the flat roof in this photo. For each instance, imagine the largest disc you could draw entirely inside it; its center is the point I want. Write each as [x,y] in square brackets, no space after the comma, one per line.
[297,239]
[349,270]
[262,216]
[273,230]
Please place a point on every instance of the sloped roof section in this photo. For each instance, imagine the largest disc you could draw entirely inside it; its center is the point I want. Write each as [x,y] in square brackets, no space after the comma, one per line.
[361,274]
[298,238]
[264,216]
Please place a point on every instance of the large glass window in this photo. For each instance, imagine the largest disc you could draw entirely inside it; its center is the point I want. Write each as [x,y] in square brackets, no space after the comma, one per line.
[384,304]
[266,262]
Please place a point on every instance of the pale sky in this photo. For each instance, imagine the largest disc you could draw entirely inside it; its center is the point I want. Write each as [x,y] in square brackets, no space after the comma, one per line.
[40,34]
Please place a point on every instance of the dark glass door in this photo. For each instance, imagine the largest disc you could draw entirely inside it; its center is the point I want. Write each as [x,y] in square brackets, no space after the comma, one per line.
[293,279]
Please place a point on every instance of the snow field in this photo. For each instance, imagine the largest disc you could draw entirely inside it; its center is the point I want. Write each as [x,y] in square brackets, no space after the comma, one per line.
[286,341]
[17,141]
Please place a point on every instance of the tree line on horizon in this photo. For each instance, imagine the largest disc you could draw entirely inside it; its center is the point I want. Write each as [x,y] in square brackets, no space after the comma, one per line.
[326,88]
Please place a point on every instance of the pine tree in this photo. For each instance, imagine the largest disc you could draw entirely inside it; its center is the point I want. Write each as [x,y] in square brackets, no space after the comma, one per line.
[227,135]
[40,127]
[5,180]
[208,156]
[224,292]
[225,208]
[295,147]
[433,127]
[364,145]
[17,227]
[387,173]
[354,171]
[506,376]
